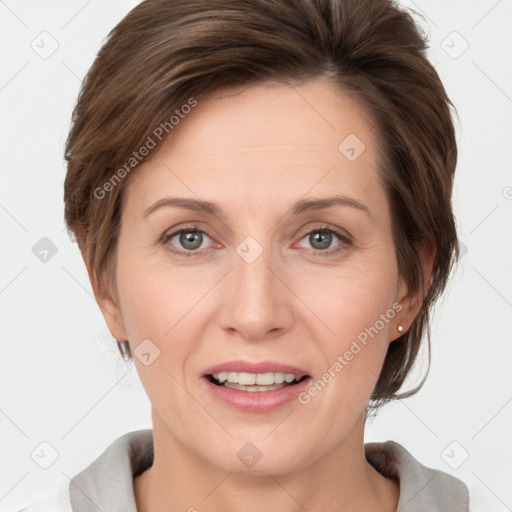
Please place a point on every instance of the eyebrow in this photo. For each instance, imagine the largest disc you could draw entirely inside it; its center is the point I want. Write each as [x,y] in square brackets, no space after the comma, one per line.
[305,205]
[301,206]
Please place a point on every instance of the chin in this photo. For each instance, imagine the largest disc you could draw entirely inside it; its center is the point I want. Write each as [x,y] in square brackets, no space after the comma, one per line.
[265,466]
[260,456]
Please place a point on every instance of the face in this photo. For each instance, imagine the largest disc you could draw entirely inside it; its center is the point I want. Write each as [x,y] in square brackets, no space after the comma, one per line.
[256,246]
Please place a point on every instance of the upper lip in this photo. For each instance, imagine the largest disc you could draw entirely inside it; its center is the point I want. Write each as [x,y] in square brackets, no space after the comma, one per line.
[252,367]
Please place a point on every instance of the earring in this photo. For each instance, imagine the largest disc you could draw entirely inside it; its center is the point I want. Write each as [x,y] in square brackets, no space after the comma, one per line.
[400,328]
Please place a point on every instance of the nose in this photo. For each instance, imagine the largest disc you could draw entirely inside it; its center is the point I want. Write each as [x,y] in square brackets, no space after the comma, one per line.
[256,303]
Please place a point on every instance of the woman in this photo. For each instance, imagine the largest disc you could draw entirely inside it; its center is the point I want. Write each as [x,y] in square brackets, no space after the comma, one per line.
[261,191]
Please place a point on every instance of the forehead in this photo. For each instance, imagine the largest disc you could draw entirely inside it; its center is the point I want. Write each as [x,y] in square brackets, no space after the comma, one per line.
[257,143]
[314,116]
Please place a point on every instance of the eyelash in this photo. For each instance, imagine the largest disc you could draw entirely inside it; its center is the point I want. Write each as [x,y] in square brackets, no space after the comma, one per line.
[345,241]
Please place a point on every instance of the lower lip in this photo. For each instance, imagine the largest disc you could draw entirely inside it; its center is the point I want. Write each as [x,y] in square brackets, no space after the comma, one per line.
[256,401]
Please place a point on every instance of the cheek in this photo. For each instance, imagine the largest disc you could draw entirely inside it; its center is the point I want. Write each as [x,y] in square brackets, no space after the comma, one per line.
[161,305]
[166,306]
[353,299]
[157,299]
[356,310]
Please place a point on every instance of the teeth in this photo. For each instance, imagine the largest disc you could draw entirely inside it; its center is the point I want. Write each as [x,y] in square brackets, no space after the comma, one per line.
[278,378]
[264,379]
[251,379]
[253,389]
[247,379]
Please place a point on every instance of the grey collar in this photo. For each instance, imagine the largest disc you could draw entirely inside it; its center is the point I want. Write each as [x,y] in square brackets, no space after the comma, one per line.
[107,484]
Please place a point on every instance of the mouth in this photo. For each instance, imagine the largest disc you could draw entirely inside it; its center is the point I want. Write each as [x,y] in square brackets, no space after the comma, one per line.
[250,386]
[255,382]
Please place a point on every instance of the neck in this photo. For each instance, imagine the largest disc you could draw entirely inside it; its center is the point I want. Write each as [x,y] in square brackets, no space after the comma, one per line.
[180,480]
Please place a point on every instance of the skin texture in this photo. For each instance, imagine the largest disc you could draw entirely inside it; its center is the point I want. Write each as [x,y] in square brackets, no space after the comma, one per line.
[254,152]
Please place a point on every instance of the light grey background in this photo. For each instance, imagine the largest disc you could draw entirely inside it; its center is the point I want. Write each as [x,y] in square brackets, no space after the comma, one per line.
[62,381]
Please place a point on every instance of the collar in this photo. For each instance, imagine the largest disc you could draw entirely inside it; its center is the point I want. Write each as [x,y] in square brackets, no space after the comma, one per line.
[107,484]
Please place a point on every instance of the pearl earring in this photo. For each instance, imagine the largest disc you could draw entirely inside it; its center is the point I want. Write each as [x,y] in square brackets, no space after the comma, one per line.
[400,328]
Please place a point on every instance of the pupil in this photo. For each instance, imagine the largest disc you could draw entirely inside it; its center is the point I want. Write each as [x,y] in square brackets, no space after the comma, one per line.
[323,239]
[191,237]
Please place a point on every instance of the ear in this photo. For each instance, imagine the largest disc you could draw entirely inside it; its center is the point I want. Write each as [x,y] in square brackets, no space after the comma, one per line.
[107,299]
[412,302]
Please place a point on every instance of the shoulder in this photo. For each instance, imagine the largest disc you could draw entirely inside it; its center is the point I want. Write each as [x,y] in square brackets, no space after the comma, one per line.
[421,488]
[107,481]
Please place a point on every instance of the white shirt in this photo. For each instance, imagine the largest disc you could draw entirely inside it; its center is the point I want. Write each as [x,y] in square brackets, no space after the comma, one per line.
[107,483]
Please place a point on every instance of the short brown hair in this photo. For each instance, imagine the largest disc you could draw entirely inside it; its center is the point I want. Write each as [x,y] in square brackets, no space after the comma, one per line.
[165,52]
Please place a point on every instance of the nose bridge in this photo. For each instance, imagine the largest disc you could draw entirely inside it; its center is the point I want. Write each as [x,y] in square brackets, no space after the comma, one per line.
[255,302]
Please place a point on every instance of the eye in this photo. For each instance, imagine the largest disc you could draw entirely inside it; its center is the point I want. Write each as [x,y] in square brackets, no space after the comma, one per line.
[321,240]
[188,240]
[191,241]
